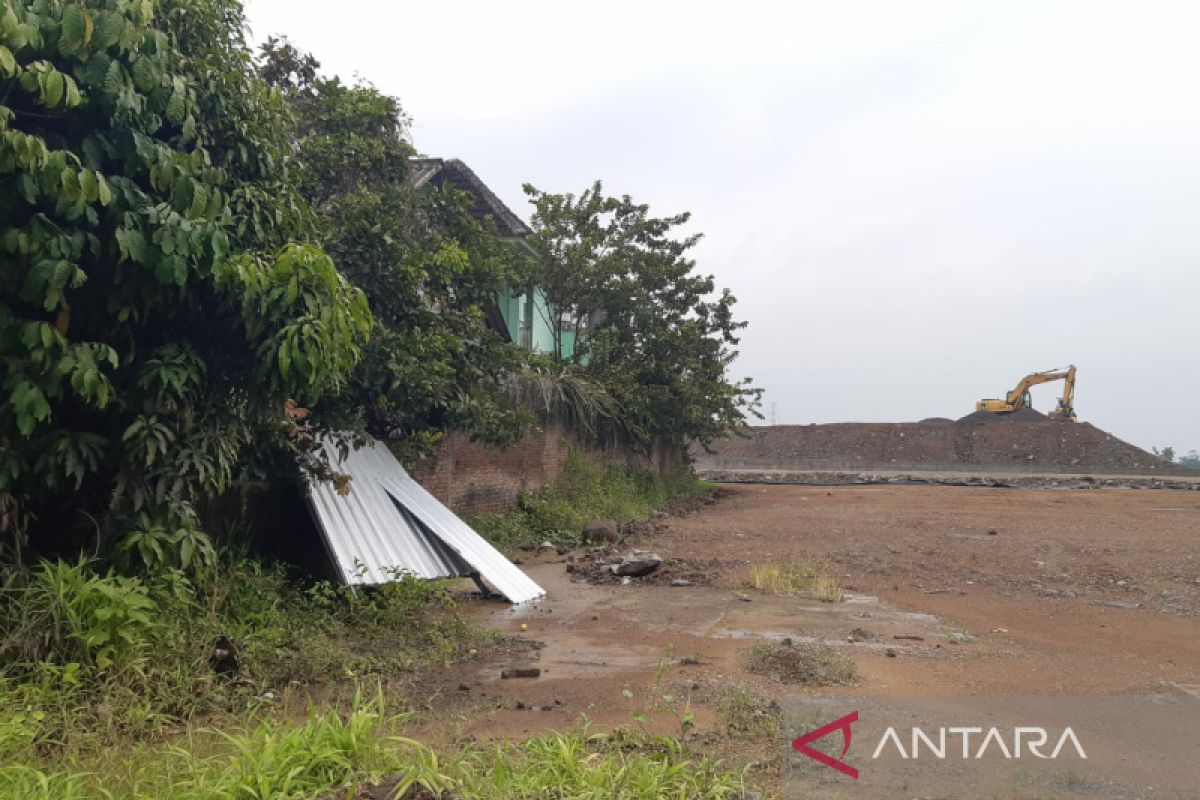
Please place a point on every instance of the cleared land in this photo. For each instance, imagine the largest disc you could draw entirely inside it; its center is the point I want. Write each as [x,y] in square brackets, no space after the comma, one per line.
[1076,594]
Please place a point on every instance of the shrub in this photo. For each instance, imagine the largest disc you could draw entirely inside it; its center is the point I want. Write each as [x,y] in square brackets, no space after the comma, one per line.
[582,492]
[85,655]
[67,614]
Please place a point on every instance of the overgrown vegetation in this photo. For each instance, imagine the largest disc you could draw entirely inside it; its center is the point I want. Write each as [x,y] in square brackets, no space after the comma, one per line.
[160,689]
[584,491]
[800,662]
[804,579]
[86,656]
[366,749]
[427,266]
[209,258]
[160,297]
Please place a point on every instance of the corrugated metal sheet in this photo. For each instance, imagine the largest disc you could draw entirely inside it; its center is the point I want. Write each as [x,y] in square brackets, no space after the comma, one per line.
[497,570]
[388,524]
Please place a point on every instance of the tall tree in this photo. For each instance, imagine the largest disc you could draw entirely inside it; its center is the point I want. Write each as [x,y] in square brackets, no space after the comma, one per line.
[156,308]
[428,268]
[645,323]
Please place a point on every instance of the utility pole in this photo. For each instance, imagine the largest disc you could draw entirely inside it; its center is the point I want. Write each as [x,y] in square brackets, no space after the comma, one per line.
[774,413]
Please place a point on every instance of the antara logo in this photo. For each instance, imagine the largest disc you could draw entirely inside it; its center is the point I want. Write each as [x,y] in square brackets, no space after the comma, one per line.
[801,744]
[1034,740]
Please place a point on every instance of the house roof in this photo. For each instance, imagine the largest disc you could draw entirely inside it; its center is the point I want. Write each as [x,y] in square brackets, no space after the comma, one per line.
[436,171]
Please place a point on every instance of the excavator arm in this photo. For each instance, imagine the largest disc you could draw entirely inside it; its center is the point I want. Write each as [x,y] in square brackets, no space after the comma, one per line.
[1018,398]
[1020,393]
[1066,403]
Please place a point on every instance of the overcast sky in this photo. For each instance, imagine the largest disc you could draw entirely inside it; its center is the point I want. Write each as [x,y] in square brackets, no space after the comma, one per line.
[915,203]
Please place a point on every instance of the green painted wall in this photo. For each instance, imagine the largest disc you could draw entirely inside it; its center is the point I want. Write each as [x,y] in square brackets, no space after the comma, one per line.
[527,317]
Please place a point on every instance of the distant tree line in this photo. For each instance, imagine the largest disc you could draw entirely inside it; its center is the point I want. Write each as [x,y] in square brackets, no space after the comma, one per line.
[1191,460]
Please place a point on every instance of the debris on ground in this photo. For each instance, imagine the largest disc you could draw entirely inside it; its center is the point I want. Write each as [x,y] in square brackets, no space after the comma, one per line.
[637,564]
[520,672]
[861,635]
[614,565]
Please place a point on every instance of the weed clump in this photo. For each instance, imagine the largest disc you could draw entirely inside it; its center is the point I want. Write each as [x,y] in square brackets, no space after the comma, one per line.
[805,664]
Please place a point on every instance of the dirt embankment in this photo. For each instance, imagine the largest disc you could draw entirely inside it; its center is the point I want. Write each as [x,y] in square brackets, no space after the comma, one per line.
[993,444]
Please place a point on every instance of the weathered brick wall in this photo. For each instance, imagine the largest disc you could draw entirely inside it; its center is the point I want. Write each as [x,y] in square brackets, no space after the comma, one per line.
[472,478]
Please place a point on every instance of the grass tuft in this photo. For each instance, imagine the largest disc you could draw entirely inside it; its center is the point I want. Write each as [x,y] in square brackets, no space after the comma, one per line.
[804,579]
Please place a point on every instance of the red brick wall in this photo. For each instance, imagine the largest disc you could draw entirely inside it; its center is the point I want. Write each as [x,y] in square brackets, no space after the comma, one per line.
[472,478]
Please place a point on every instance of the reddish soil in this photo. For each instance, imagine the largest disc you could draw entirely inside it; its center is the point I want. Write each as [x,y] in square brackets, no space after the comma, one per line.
[1061,575]
[1076,594]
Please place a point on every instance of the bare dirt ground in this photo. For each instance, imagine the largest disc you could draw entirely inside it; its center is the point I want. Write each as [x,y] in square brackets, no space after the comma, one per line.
[960,595]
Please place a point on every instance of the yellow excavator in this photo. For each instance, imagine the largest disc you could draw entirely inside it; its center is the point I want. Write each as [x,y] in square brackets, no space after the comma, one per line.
[1018,398]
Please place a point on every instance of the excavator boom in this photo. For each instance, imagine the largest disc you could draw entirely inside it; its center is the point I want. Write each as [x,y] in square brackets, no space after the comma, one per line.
[1018,398]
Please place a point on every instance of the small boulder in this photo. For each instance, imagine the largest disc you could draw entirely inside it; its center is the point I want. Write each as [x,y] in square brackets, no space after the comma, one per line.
[600,531]
[638,563]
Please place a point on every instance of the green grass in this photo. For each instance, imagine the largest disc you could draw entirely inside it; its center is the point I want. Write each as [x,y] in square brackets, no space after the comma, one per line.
[624,766]
[108,693]
[255,761]
[585,491]
[88,656]
[330,752]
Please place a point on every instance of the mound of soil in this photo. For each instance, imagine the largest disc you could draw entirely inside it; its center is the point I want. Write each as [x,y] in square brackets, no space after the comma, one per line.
[1023,441]
[1024,415]
[802,663]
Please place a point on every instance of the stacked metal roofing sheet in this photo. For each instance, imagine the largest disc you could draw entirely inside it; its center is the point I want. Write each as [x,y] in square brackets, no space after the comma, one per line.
[388,525]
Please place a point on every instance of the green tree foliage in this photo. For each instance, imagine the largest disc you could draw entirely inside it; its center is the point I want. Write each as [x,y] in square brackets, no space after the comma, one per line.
[428,268]
[155,310]
[646,325]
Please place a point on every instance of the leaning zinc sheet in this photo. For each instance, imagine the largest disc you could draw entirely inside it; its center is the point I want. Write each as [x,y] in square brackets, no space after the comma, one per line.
[368,537]
[497,570]
[378,530]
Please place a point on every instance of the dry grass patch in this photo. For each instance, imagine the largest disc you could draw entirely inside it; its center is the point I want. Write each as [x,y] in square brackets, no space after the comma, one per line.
[804,579]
